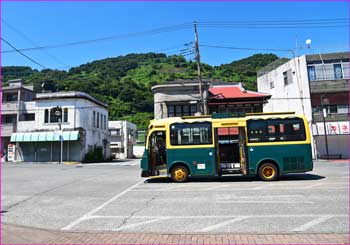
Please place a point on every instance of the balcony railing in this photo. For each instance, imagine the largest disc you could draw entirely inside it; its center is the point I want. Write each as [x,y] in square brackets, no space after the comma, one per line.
[9,107]
[7,129]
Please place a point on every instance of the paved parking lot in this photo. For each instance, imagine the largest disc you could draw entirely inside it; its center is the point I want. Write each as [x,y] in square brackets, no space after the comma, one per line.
[112,197]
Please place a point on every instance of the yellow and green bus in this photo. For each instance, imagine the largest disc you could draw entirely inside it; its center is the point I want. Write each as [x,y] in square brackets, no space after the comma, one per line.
[253,144]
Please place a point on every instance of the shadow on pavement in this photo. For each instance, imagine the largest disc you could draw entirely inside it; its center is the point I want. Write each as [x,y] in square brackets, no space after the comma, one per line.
[288,177]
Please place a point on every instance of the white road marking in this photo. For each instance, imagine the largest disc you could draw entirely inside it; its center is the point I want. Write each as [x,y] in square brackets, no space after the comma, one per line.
[216,187]
[220,216]
[125,227]
[263,186]
[264,201]
[235,197]
[314,185]
[313,223]
[87,215]
[214,227]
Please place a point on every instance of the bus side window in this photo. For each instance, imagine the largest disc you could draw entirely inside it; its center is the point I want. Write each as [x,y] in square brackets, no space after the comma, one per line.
[295,130]
[190,133]
[286,129]
[257,131]
[274,130]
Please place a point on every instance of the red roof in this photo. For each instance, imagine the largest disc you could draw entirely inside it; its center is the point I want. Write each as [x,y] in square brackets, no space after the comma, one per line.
[232,92]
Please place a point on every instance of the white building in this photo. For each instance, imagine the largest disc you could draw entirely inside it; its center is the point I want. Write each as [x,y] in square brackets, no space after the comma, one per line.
[307,85]
[13,98]
[122,139]
[84,123]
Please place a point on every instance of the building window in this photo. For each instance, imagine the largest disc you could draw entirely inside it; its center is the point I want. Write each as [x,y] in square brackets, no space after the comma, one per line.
[101,121]
[343,109]
[11,97]
[171,111]
[115,132]
[65,115]
[98,120]
[185,110]
[28,117]
[287,77]
[191,133]
[9,119]
[338,74]
[272,85]
[53,117]
[331,109]
[182,110]
[46,120]
[311,73]
[346,69]
[94,118]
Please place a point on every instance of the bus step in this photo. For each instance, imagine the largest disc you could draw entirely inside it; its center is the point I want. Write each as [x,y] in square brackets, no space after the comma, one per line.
[230,165]
[231,171]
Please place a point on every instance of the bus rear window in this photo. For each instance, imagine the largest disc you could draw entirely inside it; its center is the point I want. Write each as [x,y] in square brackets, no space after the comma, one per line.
[190,133]
[270,130]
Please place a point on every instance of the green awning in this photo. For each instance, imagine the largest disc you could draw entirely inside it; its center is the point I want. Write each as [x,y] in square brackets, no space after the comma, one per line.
[44,136]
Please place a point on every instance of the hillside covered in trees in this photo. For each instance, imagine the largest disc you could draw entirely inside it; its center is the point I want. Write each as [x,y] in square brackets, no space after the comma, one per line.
[125,82]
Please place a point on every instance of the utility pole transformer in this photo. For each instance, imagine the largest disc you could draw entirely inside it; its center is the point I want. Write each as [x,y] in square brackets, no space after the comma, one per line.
[196,46]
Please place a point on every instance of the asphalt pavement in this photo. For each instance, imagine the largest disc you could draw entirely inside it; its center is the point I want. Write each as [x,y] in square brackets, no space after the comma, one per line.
[113,197]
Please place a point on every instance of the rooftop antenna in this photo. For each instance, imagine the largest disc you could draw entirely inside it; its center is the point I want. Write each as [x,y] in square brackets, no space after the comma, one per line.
[308,44]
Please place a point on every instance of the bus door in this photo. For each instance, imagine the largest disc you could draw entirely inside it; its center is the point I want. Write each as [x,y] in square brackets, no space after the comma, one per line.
[242,153]
[228,150]
[157,152]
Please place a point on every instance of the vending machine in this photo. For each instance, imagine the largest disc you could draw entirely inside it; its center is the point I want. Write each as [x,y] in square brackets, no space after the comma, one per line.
[11,153]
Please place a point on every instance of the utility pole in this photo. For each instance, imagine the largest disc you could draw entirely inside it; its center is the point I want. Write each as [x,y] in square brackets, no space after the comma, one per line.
[324,115]
[59,113]
[196,46]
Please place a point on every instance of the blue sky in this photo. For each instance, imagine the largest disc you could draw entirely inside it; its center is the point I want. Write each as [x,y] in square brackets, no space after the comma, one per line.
[28,24]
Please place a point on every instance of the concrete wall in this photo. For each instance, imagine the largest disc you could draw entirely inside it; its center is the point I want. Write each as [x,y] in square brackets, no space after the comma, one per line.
[337,144]
[292,97]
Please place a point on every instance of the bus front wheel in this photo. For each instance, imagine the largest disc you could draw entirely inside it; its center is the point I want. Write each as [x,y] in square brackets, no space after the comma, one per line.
[268,172]
[179,174]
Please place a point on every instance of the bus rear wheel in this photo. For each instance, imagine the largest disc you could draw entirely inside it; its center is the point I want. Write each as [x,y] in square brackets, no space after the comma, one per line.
[179,174]
[268,172]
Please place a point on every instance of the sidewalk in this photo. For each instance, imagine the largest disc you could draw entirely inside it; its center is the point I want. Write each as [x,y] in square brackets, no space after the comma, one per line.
[12,234]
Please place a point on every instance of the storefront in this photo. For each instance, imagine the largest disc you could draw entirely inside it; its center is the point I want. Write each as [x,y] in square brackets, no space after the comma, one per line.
[45,146]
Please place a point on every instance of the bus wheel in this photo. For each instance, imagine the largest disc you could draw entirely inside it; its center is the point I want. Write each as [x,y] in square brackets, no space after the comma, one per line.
[179,173]
[268,172]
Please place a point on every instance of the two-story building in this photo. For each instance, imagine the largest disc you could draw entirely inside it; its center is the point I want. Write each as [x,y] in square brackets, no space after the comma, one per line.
[182,98]
[13,98]
[83,121]
[317,86]
[122,139]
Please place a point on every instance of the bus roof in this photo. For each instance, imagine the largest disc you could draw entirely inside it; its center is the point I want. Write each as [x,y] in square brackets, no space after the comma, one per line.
[162,123]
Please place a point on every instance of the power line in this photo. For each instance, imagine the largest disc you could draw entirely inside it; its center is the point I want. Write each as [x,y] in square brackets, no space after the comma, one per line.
[268,27]
[123,36]
[18,51]
[279,21]
[24,36]
[245,48]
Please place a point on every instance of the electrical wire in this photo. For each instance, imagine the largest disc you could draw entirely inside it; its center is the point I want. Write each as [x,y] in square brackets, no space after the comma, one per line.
[26,56]
[123,36]
[24,36]
[245,48]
